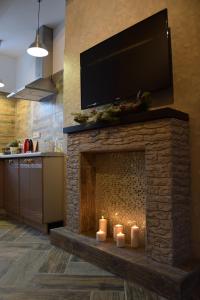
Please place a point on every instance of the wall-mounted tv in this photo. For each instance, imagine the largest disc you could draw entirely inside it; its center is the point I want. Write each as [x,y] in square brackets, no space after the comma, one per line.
[138,58]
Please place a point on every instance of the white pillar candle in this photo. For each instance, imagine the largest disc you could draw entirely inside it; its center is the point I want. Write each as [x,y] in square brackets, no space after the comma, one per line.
[120,240]
[135,236]
[100,236]
[103,225]
[117,229]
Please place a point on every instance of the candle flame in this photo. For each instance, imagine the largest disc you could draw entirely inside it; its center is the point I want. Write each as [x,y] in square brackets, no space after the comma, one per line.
[135,226]
[120,233]
[102,217]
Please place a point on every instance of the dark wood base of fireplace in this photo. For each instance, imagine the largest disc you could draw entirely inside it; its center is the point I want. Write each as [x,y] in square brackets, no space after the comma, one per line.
[131,265]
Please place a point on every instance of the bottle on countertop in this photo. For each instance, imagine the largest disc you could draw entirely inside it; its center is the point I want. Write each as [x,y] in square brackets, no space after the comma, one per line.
[35,146]
[28,145]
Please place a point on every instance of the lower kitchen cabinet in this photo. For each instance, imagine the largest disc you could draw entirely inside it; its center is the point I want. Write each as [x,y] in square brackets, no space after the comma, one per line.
[11,186]
[31,191]
[34,190]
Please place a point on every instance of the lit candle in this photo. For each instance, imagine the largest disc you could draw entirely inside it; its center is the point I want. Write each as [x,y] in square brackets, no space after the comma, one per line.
[120,239]
[103,225]
[117,229]
[135,236]
[100,236]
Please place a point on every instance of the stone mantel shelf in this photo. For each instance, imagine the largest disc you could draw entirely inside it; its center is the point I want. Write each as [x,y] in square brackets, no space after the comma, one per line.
[167,281]
[151,115]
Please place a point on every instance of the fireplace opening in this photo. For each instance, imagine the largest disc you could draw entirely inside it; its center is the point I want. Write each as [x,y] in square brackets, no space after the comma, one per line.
[113,185]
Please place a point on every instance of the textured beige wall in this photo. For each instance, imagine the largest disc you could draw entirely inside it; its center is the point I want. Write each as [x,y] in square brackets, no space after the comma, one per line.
[89,22]
[7,121]
[45,117]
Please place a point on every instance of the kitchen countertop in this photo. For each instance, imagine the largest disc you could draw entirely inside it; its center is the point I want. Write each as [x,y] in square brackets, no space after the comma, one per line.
[45,154]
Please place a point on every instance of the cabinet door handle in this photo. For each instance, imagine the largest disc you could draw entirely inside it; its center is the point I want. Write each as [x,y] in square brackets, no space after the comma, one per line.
[10,161]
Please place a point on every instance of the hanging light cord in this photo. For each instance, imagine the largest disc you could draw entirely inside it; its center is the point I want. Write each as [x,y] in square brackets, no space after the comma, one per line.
[38,48]
[39,16]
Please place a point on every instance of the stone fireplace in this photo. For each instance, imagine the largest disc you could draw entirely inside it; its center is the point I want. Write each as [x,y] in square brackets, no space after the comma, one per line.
[137,171]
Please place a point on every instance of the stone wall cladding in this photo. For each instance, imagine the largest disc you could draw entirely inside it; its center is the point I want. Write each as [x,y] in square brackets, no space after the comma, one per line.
[167,168]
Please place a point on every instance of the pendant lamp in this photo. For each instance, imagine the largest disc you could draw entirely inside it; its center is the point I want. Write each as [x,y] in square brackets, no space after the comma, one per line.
[1,84]
[37,48]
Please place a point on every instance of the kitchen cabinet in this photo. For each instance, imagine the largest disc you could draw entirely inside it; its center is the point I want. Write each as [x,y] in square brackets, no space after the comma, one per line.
[30,170]
[11,186]
[31,189]
[41,190]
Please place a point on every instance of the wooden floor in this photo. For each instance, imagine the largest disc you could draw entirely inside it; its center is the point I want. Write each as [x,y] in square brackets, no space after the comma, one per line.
[31,268]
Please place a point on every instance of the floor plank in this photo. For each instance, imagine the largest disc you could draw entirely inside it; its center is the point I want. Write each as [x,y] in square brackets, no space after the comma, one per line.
[56,261]
[33,294]
[108,295]
[24,245]
[77,282]
[13,233]
[22,270]
[84,268]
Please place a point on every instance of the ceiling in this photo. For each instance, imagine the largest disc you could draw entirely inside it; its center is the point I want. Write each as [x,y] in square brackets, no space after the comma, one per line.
[18,22]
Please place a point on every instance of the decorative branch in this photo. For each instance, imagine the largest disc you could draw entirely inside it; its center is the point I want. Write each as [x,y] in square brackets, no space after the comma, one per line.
[114,112]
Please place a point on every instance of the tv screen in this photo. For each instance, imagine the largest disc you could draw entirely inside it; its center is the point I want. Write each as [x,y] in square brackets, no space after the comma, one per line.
[138,58]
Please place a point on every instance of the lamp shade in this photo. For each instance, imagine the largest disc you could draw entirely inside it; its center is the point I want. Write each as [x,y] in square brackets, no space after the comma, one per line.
[37,48]
[1,84]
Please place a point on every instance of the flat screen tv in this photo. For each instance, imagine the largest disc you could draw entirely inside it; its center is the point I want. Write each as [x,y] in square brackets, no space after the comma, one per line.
[138,58]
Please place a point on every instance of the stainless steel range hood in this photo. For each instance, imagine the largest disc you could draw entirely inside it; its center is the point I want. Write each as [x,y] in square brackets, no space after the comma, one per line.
[43,85]
[37,90]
